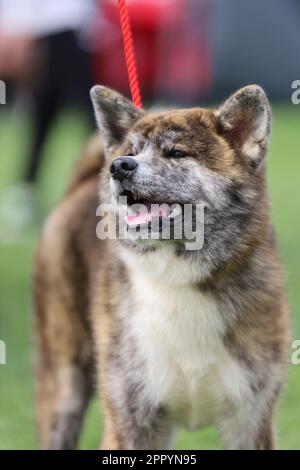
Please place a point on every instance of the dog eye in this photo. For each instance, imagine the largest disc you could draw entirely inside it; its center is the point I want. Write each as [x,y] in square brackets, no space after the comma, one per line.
[176,153]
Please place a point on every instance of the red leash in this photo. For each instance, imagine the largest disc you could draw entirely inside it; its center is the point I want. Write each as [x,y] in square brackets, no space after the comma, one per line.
[130,54]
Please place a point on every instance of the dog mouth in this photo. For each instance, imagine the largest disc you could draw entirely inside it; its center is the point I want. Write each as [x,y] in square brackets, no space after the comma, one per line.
[142,211]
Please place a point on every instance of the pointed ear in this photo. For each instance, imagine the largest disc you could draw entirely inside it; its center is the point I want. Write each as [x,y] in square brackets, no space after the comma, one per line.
[115,115]
[245,121]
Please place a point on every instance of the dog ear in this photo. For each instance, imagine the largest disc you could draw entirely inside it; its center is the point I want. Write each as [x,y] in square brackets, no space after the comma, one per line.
[245,121]
[115,115]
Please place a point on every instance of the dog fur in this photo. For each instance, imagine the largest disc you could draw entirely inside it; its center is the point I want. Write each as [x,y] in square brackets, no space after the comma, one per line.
[171,337]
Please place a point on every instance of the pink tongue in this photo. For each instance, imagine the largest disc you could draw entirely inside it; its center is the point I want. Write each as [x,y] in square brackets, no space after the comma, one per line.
[146,214]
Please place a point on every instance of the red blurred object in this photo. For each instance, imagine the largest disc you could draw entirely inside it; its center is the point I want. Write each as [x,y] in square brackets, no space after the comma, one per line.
[172,48]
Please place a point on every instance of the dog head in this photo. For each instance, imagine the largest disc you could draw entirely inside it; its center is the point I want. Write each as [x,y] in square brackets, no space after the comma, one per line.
[208,157]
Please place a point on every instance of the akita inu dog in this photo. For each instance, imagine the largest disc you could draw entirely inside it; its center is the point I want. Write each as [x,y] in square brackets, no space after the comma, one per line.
[174,336]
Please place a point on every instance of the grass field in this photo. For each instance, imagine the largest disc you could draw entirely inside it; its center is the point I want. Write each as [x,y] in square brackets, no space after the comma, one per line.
[17,429]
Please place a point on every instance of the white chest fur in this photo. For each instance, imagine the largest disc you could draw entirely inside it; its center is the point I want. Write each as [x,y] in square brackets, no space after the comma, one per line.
[179,334]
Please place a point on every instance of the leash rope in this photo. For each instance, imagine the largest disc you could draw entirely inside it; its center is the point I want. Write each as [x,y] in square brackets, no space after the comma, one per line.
[130,54]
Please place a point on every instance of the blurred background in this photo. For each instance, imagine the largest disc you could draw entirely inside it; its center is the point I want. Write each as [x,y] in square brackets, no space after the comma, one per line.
[189,52]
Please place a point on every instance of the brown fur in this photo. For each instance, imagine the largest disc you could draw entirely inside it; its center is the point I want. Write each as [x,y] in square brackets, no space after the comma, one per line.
[80,284]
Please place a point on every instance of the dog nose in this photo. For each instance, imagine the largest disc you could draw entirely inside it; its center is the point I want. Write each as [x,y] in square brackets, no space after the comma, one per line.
[123,167]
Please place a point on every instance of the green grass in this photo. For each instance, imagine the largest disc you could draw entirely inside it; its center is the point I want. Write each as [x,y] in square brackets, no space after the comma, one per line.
[17,429]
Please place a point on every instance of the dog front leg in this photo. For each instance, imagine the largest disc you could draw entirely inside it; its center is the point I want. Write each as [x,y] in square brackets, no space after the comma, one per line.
[247,432]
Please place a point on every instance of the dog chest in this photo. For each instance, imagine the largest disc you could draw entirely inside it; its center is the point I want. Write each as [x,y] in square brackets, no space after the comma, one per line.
[178,331]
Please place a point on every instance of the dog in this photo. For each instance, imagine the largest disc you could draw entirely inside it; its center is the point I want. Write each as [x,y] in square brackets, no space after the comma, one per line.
[172,336]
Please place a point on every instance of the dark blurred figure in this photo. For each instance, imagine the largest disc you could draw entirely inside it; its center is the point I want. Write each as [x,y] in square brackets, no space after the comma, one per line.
[45,59]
